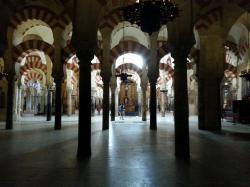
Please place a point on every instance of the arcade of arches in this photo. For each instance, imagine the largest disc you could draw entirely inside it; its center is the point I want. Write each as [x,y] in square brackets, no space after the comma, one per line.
[52,66]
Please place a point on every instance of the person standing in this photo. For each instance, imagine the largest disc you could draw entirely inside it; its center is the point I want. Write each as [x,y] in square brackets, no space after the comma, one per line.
[121,111]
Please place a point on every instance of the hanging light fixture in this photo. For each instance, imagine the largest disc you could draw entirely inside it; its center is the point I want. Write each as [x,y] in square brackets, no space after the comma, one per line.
[123,75]
[3,75]
[150,15]
[246,74]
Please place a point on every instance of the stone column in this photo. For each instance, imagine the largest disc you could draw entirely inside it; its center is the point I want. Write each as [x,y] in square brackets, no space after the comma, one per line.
[113,92]
[58,102]
[153,106]
[15,104]
[116,102]
[181,112]
[19,101]
[153,73]
[105,102]
[69,101]
[11,82]
[57,73]
[210,71]
[85,55]
[106,75]
[42,104]
[139,100]
[144,87]
[163,103]
[86,14]
[49,104]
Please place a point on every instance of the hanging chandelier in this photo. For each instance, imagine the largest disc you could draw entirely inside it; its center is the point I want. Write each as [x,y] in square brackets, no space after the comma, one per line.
[3,75]
[150,15]
[246,74]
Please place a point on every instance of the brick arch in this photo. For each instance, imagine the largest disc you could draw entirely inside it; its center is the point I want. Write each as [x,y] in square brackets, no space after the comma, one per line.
[128,47]
[129,66]
[33,76]
[64,19]
[23,49]
[111,19]
[33,12]
[208,19]
[33,61]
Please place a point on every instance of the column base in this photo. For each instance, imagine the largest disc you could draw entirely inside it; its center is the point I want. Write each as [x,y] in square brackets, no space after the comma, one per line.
[153,128]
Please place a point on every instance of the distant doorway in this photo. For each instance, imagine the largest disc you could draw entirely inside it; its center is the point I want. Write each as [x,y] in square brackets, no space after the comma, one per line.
[129,97]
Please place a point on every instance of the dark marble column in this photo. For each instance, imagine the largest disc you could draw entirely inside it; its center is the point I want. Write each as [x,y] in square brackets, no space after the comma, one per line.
[10,101]
[105,102]
[113,92]
[201,107]
[181,112]
[153,106]
[48,107]
[153,74]
[85,55]
[58,102]
[209,99]
[112,104]
[144,86]
[210,71]
[144,105]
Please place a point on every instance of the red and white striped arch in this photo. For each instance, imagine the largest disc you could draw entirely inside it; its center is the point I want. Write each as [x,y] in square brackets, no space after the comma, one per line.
[111,20]
[208,19]
[33,61]
[128,47]
[25,48]
[129,66]
[33,75]
[33,12]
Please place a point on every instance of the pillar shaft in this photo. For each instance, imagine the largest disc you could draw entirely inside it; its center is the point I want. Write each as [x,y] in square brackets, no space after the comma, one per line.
[209,103]
[153,106]
[113,99]
[106,75]
[181,106]
[11,83]
[153,73]
[10,102]
[210,71]
[105,102]
[69,102]
[84,133]
[58,101]
[58,76]
[49,102]
[113,105]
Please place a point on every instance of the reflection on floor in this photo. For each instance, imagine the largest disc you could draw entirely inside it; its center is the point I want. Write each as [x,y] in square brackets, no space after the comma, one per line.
[128,154]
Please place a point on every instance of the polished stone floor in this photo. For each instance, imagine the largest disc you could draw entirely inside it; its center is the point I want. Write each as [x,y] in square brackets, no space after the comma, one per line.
[126,155]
